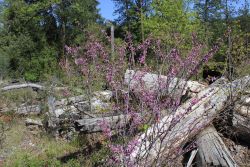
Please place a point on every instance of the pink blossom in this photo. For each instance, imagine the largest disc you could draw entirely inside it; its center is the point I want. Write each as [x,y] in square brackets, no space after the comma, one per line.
[105,128]
[194,101]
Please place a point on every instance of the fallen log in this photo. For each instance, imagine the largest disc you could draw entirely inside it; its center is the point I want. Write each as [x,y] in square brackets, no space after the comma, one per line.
[30,121]
[153,82]
[24,110]
[70,100]
[33,109]
[90,125]
[245,100]
[242,110]
[164,139]
[99,95]
[240,153]
[211,150]
[241,127]
[99,102]
[25,85]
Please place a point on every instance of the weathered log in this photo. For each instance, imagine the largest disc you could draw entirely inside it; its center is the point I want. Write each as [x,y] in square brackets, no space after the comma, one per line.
[240,153]
[30,121]
[192,156]
[242,110]
[91,125]
[70,100]
[163,139]
[99,102]
[211,150]
[245,100]
[25,85]
[33,109]
[24,110]
[99,95]
[154,82]
[241,127]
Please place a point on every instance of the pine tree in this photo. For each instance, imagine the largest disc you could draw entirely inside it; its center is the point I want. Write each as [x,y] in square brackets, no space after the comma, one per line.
[132,14]
[36,32]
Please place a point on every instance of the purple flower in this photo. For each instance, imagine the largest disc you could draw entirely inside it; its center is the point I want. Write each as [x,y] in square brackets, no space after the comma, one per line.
[80,61]
[194,101]
[105,128]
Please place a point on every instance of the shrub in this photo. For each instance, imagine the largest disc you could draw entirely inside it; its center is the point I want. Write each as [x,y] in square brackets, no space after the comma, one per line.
[94,61]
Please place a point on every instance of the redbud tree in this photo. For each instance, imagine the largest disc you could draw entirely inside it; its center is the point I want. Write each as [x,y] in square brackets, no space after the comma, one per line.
[141,106]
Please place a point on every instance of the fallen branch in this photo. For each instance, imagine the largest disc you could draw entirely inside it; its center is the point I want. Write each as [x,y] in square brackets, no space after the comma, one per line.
[25,85]
[192,156]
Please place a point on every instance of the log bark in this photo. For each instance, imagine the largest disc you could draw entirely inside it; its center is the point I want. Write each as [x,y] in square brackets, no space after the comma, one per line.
[100,101]
[99,95]
[33,109]
[90,125]
[241,127]
[212,151]
[24,110]
[25,85]
[30,121]
[154,82]
[70,100]
[245,100]
[242,110]
[164,139]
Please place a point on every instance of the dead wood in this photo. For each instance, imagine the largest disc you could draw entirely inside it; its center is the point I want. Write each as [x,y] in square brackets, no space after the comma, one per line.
[163,139]
[242,110]
[90,125]
[241,127]
[25,85]
[24,110]
[154,82]
[212,151]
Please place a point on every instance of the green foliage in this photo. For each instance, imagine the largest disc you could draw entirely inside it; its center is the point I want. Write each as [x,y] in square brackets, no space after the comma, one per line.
[34,34]
[132,14]
[171,21]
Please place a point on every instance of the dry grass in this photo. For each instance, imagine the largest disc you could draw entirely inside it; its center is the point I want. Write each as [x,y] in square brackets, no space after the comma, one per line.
[24,148]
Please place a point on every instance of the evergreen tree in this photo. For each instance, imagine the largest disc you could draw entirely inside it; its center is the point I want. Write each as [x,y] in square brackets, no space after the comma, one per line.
[132,14]
[36,32]
[171,21]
